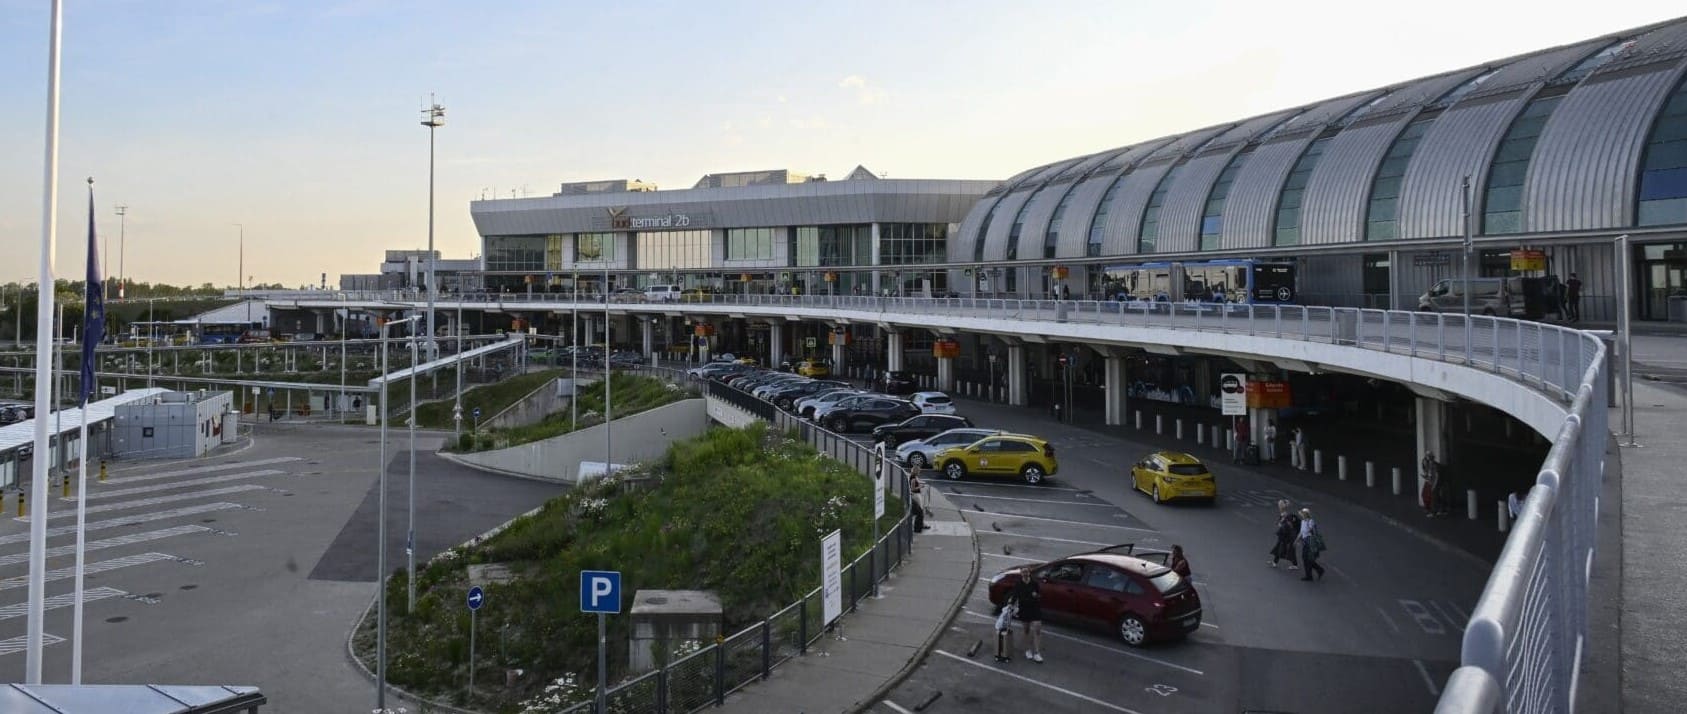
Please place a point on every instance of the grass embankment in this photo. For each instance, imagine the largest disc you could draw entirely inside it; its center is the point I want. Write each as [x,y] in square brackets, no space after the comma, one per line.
[632,394]
[491,399]
[737,511]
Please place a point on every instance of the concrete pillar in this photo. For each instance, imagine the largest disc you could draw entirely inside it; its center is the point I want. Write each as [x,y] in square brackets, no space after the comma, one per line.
[1113,379]
[893,351]
[321,322]
[1159,424]
[1200,435]
[648,331]
[775,344]
[945,374]
[838,365]
[1431,437]
[1017,395]
[591,328]
[1179,429]
[1216,439]
[1395,474]
[1370,474]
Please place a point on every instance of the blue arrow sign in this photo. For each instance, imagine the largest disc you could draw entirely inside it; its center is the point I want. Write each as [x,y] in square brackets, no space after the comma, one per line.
[600,591]
[476,598]
[477,412]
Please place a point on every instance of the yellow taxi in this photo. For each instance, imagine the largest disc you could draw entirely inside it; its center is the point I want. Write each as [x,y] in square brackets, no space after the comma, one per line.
[751,361]
[1028,457]
[814,368]
[1168,475]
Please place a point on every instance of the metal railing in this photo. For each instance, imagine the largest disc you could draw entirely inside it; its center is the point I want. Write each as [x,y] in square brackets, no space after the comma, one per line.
[703,679]
[1523,645]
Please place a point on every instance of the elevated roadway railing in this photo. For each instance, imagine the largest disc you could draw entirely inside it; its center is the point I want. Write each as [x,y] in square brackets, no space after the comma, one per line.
[1523,645]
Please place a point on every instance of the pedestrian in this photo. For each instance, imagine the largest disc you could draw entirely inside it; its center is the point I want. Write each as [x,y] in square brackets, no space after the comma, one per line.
[1288,527]
[1297,450]
[917,490]
[1573,297]
[1269,450]
[1241,448]
[1431,479]
[1004,630]
[1311,545]
[1028,595]
[1178,563]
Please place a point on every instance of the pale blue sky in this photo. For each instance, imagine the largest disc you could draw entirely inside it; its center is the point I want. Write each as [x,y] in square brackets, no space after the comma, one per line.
[300,119]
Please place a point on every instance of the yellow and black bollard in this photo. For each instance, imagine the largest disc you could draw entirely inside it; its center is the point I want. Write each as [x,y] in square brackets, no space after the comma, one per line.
[22,510]
[102,470]
[65,492]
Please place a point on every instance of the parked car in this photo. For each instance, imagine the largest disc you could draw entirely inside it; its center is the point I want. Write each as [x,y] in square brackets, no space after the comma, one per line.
[897,382]
[713,369]
[821,411]
[814,368]
[1168,475]
[1131,594]
[869,412]
[933,402]
[918,427]
[779,383]
[662,293]
[1028,457]
[805,407]
[786,397]
[1488,296]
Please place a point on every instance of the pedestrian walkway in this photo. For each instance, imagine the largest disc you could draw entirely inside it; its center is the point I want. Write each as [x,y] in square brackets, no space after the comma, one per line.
[885,638]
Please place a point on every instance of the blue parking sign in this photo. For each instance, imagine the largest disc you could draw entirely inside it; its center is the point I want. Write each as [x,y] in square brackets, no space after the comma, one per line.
[600,591]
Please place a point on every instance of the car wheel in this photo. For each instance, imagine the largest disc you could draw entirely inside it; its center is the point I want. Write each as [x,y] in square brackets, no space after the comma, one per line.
[1132,631]
[839,425]
[784,404]
[890,441]
[1157,498]
[1032,473]
[954,470]
[917,460]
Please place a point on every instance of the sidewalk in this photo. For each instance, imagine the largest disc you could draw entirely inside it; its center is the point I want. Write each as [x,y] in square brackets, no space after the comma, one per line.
[875,647]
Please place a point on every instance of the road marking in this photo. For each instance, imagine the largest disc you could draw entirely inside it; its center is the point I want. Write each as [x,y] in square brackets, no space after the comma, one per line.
[1389,620]
[100,567]
[1039,487]
[181,484]
[1045,685]
[21,643]
[1445,616]
[896,707]
[1009,557]
[1115,650]
[1428,681]
[66,513]
[1028,500]
[1426,621]
[1462,614]
[204,469]
[1047,538]
[8,612]
[130,539]
[128,520]
[1007,516]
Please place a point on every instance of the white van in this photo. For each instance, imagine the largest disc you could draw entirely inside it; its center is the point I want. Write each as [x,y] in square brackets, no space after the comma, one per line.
[1502,297]
[662,293]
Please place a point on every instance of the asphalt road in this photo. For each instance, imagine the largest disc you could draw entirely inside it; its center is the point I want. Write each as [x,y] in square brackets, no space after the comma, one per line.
[1380,633]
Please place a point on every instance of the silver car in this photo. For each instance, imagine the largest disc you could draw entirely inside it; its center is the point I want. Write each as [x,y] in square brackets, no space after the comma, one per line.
[918,453]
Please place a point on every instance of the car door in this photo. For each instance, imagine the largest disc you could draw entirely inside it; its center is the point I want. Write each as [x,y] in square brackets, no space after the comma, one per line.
[1109,593]
[982,456]
[1062,595]
[1014,455]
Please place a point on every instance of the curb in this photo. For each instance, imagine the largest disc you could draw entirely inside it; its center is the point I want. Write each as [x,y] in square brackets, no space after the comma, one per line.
[930,643]
[455,459]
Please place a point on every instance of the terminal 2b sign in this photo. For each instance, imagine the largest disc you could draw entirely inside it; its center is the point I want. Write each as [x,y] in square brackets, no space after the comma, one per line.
[619,220]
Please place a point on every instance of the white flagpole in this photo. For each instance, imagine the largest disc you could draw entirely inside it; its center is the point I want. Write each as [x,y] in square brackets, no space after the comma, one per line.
[81,538]
[43,365]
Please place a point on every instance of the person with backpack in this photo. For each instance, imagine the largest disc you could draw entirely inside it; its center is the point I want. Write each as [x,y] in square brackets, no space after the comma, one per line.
[1028,598]
[1311,545]
[1288,527]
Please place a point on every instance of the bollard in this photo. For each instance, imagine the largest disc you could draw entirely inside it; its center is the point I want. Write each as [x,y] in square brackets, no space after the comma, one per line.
[1139,419]
[102,470]
[1370,475]
[1159,424]
[1318,461]
[1504,516]
[64,490]
[1180,429]
[1200,435]
[1395,472]
[1229,439]
[1470,502]
[22,509]
[1341,467]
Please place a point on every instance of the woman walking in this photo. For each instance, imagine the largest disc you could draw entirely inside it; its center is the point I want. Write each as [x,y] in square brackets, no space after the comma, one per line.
[1311,544]
[1028,594]
[1288,528]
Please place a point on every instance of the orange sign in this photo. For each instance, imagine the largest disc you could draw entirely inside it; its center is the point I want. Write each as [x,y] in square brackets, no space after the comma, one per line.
[945,348]
[702,330]
[839,338]
[1528,260]
[744,277]
[1269,395]
[831,277]
[1059,272]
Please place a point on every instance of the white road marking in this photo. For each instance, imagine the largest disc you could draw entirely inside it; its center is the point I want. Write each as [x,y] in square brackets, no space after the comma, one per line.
[1446,616]
[66,513]
[55,602]
[100,567]
[21,643]
[1428,681]
[1045,685]
[1012,534]
[1028,500]
[204,469]
[127,520]
[896,707]
[957,484]
[1461,611]
[181,484]
[1007,516]
[1389,620]
[1116,650]
[129,539]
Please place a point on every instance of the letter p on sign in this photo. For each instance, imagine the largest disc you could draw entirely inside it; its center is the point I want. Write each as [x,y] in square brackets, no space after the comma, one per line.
[600,591]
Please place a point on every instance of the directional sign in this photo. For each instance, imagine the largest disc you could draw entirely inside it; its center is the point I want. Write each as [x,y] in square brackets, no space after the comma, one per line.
[272,391]
[477,597]
[831,577]
[477,412]
[1233,397]
[600,591]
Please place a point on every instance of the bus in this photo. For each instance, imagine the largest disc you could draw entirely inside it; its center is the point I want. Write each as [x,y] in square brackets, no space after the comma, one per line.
[220,334]
[1243,280]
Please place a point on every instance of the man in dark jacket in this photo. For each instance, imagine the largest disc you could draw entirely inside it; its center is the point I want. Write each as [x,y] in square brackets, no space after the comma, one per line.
[1573,298]
[1288,528]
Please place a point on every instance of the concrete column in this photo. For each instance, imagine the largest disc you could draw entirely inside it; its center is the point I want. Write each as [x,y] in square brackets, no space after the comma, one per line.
[1113,377]
[648,329]
[590,321]
[1017,395]
[775,344]
[838,365]
[321,322]
[1431,437]
[945,374]
[893,351]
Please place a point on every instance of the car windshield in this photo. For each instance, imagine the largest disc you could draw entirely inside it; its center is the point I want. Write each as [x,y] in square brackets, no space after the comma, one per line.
[936,399]
[1167,582]
[1188,469]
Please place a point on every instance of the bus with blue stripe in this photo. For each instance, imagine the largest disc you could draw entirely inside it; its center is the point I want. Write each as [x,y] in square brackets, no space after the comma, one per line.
[1240,280]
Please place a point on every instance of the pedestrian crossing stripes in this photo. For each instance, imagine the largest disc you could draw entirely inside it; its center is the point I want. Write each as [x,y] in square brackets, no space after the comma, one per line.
[19,581]
[124,521]
[8,612]
[203,470]
[20,643]
[129,539]
[126,505]
[180,484]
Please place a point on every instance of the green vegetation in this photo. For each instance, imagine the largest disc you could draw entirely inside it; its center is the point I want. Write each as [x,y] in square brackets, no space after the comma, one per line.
[737,511]
[632,394]
[491,399]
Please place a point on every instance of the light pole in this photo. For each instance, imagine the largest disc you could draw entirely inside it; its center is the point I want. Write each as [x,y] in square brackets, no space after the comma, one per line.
[608,371]
[573,352]
[122,243]
[151,336]
[457,405]
[433,117]
[381,538]
[241,278]
[410,521]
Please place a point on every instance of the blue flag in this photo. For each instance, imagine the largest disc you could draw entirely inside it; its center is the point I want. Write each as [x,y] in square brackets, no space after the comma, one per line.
[93,317]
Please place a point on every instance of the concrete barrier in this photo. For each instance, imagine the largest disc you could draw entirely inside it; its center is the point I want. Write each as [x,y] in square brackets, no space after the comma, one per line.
[640,437]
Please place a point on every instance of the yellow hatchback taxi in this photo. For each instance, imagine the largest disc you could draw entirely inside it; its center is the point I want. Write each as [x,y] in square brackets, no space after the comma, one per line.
[1026,457]
[813,368]
[1168,475]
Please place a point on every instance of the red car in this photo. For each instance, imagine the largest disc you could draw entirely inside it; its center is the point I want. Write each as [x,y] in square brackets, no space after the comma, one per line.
[1113,588]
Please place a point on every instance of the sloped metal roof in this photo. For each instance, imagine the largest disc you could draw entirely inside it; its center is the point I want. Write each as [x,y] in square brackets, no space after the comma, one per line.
[127,698]
[23,432]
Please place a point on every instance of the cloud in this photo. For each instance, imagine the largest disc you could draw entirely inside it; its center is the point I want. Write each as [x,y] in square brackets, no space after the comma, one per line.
[764,122]
[782,99]
[811,123]
[865,92]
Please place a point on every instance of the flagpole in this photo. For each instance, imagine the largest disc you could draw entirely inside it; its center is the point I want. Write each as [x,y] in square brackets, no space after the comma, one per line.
[93,333]
[43,363]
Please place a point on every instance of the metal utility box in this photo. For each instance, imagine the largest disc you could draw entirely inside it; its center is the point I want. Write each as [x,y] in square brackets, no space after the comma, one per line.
[668,624]
[172,425]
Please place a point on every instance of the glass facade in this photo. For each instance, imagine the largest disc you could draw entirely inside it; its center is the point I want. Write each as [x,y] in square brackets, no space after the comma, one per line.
[1663,170]
[1502,210]
[983,230]
[1212,219]
[593,247]
[913,243]
[1150,233]
[1382,220]
[1294,189]
[839,245]
[1052,237]
[751,243]
[517,252]
[1098,224]
[672,250]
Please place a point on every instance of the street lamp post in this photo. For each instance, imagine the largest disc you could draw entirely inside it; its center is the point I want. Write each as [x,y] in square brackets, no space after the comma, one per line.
[151,336]
[457,405]
[410,521]
[433,117]
[122,244]
[381,538]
